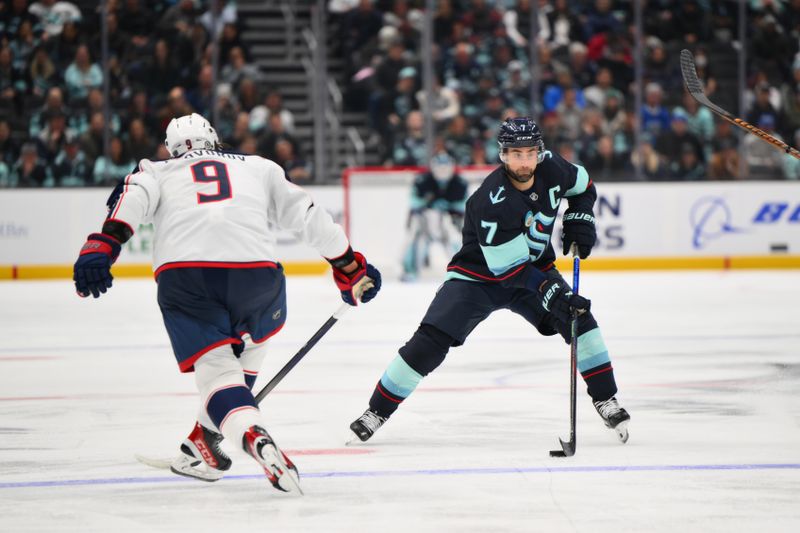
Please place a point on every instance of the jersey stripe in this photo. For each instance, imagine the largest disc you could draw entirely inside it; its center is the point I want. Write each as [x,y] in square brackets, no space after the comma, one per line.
[486,278]
[504,256]
[214,264]
[581,182]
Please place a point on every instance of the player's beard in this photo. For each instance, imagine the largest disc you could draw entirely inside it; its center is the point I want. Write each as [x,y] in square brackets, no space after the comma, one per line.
[524,174]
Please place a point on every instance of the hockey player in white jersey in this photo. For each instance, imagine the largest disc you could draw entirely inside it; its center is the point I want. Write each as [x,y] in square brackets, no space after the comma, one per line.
[221,289]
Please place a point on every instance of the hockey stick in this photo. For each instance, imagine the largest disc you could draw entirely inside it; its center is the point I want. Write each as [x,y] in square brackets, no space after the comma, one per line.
[568,448]
[303,351]
[695,88]
[310,343]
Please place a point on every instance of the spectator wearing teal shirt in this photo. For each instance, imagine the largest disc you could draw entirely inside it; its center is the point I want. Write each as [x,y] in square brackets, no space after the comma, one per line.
[82,75]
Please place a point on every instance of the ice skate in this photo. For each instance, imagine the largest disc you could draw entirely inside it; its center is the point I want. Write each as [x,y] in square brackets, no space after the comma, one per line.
[201,456]
[280,471]
[366,425]
[614,416]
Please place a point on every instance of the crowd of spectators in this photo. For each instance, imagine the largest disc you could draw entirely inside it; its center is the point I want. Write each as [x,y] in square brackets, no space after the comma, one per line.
[586,80]
[53,126]
[52,119]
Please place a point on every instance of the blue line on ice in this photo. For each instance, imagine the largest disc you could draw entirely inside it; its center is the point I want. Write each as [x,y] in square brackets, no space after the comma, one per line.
[433,472]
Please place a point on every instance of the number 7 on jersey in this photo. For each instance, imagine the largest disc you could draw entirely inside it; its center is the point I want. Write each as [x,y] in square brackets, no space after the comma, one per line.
[492,226]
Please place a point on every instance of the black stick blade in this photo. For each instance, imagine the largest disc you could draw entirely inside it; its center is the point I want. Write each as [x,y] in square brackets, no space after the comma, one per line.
[689,72]
[567,449]
[695,86]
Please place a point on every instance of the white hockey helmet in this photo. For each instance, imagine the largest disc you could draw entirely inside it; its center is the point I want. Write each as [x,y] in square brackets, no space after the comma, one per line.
[190,132]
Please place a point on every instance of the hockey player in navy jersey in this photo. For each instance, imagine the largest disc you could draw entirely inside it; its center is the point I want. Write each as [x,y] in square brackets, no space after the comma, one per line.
[506,262]
[438,197]
[221,291]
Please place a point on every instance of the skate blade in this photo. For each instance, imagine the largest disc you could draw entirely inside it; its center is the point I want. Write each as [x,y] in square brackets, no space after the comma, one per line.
[353,440]
[196,473]
[163,464]
[622,432]
[289,481]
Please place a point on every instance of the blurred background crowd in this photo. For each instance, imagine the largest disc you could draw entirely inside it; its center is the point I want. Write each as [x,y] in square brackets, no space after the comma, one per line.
[68,120]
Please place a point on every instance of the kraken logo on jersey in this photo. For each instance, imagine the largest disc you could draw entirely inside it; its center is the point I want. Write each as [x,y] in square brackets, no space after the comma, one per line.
[537,237]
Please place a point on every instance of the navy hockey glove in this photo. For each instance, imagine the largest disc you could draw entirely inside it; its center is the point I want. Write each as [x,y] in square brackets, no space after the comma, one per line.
[558,299]
[92,270]
[364,282]
[578,227]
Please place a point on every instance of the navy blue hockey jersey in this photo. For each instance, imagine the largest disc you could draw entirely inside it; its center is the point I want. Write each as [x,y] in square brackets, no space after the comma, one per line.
[507,232]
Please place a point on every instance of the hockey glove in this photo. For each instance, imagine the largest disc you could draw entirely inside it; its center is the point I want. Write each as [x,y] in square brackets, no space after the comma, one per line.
[362,284]
[578,227]
[558,299]
[92,270]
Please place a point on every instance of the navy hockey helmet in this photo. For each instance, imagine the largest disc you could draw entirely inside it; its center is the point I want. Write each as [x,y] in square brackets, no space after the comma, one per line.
[521,132]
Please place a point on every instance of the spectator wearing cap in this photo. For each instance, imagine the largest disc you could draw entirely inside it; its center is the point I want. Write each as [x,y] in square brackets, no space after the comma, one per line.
[655,116]
[688,167]
[671,143]
[110,170]
[700,118]
[82,75]
[766,101]
[70,167]
[29,170]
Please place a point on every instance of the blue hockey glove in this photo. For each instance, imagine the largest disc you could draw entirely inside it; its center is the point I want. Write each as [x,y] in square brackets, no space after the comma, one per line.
[578,227]
[365,281]
[92,270]
[558,299]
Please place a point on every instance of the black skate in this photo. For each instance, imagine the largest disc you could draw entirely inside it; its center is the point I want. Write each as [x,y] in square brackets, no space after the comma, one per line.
[280,471]
[614,416]
[201,456]
[366,425]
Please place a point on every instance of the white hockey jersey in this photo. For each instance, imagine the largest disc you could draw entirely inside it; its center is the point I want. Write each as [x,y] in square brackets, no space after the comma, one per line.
[212,208]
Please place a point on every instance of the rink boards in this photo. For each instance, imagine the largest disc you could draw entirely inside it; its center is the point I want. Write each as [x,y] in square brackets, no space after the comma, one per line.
[640,226]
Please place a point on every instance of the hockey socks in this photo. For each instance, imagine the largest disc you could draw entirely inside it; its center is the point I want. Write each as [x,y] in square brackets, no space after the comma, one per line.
[594,365]
[397,383]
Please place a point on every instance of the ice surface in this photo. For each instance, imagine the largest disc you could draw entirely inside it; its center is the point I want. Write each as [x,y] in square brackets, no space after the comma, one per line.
[708,366]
